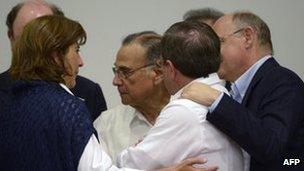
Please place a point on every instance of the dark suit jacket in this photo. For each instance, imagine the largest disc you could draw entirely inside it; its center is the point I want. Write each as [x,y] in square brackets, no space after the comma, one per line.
[92,93]
[5,89]
[269,124]
[85,89]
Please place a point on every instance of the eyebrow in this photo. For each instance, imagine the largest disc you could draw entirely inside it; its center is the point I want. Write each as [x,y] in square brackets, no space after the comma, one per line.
[122,67]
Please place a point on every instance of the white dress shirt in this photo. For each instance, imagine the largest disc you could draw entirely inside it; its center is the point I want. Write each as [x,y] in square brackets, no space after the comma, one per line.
[181,131]
[119,128]
[93,157]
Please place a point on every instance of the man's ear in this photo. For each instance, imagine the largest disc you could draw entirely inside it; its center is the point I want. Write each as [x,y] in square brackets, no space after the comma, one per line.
[158,72]
[170,69]
[249,35]
[10,35]
[11,38]
[159,76]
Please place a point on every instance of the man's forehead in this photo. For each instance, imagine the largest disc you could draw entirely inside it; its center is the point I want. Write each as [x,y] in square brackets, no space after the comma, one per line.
[223,24]
[133,53]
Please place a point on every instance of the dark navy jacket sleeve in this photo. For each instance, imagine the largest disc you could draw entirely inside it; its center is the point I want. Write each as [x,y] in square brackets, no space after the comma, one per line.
[92,94]
[269,124]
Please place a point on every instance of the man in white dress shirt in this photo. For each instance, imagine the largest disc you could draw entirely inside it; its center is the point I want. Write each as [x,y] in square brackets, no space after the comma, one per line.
[191,52]
[139,80]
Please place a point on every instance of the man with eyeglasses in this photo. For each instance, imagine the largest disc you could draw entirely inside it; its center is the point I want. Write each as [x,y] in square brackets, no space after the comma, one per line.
[191,53]
[264,114]
[139,80]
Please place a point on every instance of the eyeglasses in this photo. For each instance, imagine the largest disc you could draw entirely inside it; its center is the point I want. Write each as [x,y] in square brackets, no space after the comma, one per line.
[223,39]
[126,72]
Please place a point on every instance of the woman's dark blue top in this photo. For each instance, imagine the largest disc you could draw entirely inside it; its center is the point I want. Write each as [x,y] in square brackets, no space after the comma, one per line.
[45,128]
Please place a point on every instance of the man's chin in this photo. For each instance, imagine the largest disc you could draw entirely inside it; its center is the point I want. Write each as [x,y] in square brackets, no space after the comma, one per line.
[124,100]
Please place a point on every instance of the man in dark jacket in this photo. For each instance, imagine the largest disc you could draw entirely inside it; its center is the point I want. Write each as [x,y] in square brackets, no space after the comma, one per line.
[264,114]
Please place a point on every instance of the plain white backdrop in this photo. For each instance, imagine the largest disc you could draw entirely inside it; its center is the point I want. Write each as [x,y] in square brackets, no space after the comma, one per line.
[107,22]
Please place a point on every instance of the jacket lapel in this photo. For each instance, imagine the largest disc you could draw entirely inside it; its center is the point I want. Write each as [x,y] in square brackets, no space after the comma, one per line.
[268,65]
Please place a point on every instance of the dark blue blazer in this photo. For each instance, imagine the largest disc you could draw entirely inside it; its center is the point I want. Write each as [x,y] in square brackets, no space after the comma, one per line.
[269,124]
[6,84]
[92,94]
[85,89]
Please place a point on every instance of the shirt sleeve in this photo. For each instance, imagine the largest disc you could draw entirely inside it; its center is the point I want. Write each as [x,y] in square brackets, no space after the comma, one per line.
[99,125]
[215,103]
[94,158]
[174,137]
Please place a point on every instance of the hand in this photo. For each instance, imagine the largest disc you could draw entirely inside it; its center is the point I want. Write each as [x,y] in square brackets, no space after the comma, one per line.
[187,165]
[200,93]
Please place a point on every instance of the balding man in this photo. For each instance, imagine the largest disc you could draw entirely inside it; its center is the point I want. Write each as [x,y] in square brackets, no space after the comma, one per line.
[191,53]
[139,81]
[17,18]
[265,113]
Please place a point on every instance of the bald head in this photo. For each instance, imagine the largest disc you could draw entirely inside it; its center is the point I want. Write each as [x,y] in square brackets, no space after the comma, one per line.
[28,12]
[225,21]
[245,38]
[25,12]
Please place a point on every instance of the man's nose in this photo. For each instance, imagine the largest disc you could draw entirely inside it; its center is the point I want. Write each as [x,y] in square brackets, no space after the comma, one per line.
[116,80]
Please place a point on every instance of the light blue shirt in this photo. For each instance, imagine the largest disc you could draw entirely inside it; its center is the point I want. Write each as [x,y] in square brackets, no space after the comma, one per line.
[240,86]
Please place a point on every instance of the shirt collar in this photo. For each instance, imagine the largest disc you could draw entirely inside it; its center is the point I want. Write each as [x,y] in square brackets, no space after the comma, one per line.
[69,91]
[209,80]
[66,88]
[138,115]
[242,83]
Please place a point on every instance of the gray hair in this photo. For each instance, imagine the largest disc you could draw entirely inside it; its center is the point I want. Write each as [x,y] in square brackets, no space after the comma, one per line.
[203,14]
[149,40]
[245,18]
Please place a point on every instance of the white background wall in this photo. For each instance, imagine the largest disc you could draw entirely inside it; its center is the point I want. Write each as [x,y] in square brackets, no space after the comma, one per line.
[108,21]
